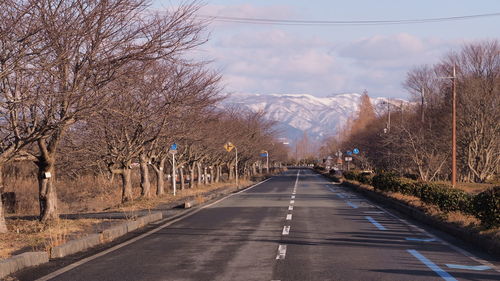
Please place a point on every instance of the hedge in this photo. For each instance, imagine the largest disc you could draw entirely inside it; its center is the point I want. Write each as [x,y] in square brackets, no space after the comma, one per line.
[485,206]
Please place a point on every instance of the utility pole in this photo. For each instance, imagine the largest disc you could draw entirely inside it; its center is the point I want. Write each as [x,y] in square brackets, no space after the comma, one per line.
[388,116]
[422,104]
[454,130]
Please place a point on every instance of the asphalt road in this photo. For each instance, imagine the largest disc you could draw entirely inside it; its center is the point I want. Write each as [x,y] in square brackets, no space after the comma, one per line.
[296,226]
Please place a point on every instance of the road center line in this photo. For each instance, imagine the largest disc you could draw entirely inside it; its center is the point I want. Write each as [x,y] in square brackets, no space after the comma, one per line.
[445,275]
[289,217]
[375,223]
[286,230]
[281,252]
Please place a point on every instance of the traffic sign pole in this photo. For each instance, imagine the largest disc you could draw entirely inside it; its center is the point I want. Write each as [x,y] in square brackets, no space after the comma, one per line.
[173,172]
[267,161]
[236,165]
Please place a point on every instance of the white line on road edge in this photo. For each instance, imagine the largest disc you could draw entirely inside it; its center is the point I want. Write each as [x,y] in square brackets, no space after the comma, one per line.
[286,230]
[352,205]
[375,223]
[281,252]
[289,217]
[445,275]
[458,249]
[121,245]
[290,208]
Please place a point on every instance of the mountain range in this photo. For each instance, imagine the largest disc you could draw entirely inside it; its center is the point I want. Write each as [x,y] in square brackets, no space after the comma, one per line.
[318,117]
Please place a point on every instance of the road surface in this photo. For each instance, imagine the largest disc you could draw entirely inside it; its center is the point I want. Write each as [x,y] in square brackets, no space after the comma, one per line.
[295,226]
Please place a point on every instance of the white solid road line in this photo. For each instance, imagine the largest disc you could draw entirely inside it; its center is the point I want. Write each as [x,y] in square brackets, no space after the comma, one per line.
[281,252]
[289,217]
[286,230]
[128,242]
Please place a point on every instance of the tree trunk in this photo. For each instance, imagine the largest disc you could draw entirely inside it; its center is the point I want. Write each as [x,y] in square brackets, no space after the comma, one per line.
[3,225]
[217,173]
[212,174]
[160,181]
[191,175]
[198,165]
[230,171]
[46,189]
[254,168]
[181,175]
[126,184]
[205,177]
[145,182]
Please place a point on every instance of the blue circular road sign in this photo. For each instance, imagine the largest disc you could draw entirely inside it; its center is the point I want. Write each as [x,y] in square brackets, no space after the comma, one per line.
[355,151]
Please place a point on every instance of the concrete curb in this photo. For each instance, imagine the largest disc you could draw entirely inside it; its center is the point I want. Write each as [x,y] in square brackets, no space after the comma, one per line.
[75,246]
[483,242]
[21,261]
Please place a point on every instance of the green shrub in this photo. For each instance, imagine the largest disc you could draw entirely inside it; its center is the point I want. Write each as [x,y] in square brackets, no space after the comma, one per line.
[487,206]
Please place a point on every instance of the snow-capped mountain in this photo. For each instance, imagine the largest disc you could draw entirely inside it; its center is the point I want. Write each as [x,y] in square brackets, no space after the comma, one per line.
[317,116]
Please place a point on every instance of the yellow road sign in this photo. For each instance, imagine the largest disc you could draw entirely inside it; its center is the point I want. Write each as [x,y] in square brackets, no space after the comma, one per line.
[229,146]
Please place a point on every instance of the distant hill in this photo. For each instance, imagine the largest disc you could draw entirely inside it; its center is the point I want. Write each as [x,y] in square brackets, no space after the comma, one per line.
[296,114]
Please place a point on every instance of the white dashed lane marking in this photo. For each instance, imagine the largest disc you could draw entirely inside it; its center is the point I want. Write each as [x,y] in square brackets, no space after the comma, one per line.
[289,217]
[281,252]
[290,208]
[286,230]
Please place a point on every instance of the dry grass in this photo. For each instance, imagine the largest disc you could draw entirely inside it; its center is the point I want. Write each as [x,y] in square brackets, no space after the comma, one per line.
[153,202]
[32,235]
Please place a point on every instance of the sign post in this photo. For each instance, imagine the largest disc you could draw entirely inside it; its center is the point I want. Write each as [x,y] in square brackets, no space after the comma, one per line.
[173,151]
[229,146]
[265,153]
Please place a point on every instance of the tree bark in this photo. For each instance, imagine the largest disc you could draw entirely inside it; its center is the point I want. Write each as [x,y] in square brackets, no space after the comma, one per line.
[212,175]
[217,173]
[181,175]
[160,180]
[47,194]
[126,184]
[205,178]
[230,171]
[145,182]
[191,175]
[198,165]
[3,225]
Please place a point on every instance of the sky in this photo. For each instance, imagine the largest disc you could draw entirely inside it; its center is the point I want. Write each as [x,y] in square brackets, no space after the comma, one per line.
[328,60]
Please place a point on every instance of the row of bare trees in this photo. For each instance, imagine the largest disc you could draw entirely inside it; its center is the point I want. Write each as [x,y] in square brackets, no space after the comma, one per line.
[415,138]
[100,85]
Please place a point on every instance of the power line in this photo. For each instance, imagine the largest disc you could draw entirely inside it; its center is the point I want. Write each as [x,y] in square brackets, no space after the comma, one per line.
[268,21]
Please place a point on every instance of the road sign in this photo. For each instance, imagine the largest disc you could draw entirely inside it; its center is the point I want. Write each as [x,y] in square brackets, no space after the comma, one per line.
[355,151]
[349,153]
[228,146]
[338,154]
[173,149]
[347,159]
[263,153]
